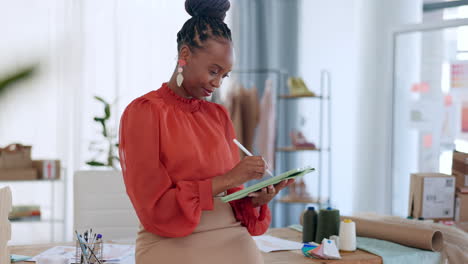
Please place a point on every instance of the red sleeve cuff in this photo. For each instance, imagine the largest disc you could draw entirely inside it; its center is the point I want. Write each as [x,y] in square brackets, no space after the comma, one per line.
[206,194]
[263,212]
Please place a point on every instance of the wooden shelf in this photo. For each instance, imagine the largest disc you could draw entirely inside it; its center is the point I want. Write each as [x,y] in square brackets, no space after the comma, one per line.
[35,180]
[288,96]
[37,221]
[293,149]
[298,200]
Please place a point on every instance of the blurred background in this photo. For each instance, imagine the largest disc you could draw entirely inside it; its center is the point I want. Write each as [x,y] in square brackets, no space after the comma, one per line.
[365,91]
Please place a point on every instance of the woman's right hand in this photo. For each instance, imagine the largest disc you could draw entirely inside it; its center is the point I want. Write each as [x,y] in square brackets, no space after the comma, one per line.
[250,168]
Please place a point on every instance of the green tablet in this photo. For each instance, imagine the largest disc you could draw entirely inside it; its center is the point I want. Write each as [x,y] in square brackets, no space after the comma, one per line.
[292,174]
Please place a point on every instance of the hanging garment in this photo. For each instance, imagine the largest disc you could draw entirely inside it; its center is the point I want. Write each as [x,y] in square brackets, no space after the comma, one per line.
[266,127]
[250,116]
[234,105]
[244,111]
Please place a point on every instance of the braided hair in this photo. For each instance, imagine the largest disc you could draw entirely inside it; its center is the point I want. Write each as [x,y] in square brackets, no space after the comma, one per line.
[207,22]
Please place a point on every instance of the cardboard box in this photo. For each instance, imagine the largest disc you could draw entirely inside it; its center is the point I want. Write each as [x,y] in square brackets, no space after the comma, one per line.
[462,190]
[15,156]
[47,169]
[460,168]
[18,174]
[432,196]
[461,207]
[460,162]
[461,180]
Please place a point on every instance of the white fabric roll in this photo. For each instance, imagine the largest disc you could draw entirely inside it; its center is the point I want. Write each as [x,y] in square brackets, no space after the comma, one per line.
[347,235]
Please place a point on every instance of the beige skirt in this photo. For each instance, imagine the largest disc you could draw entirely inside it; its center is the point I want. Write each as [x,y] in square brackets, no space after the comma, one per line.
[218,238]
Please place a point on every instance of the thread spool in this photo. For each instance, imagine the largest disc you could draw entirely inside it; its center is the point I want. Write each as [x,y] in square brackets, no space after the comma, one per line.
[309,224]
[348,235]
[328,224]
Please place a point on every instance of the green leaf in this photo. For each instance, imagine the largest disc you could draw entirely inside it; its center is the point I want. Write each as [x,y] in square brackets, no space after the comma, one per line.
[100,99]
[104,129]
[107,111]
[17,76]
[95,163]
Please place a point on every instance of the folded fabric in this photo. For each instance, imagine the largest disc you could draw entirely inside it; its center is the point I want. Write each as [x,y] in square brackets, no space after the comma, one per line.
[330,250]
[292,174]
[296,227]
[393,253]
[18,258]
[307,249]
[327,250]
[267,243]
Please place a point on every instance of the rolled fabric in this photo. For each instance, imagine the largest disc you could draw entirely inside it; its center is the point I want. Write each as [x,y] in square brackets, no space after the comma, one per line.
[416,237]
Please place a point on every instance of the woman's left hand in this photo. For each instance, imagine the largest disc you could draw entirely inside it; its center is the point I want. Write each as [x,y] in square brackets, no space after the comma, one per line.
[265,195]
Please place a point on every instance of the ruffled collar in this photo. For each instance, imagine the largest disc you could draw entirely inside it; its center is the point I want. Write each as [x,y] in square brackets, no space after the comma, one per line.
[188,104]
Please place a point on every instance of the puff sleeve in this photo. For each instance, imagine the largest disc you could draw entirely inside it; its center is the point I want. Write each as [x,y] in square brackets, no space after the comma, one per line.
[163,207]
[256,220]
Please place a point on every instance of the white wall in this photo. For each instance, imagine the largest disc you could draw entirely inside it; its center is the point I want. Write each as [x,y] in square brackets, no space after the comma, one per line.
[39,111]
[329,41]
[352,40]
[377,20]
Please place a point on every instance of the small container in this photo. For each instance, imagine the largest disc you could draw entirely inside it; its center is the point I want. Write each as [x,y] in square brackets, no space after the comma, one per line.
[310,225]
[94,255]
[348,235]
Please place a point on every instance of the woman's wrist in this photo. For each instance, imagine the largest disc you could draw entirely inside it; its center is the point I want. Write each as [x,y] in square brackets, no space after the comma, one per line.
[221,183]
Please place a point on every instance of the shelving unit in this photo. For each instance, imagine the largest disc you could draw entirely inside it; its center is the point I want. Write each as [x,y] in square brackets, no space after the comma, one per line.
[53,219]
[287,155]
[284,153]
[301,201]
[294,149]
[299,96]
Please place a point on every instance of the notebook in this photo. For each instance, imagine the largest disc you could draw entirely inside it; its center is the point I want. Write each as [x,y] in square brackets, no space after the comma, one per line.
[292,174]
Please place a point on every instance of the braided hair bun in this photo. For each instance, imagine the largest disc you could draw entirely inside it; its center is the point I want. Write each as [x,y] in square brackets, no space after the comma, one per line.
[208,8]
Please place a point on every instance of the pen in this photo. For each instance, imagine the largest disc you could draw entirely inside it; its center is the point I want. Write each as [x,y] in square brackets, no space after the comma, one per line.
[250,154]
[84,255]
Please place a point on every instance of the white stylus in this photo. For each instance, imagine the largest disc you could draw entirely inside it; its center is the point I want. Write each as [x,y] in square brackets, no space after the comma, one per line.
[250,154]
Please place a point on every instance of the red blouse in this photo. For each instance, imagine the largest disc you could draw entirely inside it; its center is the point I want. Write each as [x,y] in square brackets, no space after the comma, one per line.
[170,149]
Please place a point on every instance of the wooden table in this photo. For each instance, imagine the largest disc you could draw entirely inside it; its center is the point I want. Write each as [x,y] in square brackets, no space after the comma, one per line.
[290,257]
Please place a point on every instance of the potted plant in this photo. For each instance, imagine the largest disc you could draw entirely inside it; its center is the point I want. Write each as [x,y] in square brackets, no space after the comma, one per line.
[108,144]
